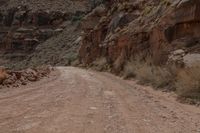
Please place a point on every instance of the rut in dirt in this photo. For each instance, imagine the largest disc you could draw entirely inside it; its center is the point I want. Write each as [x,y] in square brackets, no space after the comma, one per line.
[73,100]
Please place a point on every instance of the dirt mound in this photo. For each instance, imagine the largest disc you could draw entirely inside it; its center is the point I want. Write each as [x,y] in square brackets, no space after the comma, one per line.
[10,78]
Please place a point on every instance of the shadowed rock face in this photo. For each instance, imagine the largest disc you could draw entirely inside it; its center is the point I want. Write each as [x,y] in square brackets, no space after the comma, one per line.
[29,31]
[22,29]
[187,11]
[187,18]
[142,27]
[182,24]
[3,2]
[26,24]
[114,29]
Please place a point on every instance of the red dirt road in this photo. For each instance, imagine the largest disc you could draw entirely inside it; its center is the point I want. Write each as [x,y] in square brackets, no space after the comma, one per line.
[81,101]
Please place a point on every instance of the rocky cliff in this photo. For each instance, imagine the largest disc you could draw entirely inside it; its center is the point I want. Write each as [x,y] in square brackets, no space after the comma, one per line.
[166,30]
[26,24]
[51,32]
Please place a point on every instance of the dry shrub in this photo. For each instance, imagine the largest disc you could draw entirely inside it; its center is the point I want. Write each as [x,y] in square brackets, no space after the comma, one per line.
[147,73]
[118,64]
[188,82]
[157,76]
[100,64]
[131,67]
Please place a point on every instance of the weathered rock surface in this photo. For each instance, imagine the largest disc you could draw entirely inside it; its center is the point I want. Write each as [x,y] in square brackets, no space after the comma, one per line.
[52,5]
[144,27]
[17,78]
[114,29]
[23,29]
[26,24]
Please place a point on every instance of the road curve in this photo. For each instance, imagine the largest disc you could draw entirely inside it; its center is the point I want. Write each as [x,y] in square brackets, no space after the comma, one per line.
[74,100]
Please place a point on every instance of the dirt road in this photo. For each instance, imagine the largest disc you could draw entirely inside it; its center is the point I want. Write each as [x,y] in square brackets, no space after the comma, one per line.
[82,101]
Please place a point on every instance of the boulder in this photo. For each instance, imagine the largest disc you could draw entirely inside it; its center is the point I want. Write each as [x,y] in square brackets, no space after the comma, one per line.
[191,59]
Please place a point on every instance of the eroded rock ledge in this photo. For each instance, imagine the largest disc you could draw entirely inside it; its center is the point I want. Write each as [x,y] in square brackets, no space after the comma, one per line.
[147,27]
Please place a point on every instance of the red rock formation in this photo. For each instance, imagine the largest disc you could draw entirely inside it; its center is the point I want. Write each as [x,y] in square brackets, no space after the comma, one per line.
[181,22]
[148,27]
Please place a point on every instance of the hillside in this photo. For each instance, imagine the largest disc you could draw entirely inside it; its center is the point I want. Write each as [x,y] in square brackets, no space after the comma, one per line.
[26,25]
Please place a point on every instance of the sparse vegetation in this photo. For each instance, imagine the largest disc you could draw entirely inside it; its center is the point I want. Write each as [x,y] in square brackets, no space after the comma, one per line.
[186,81]
[129,70]
[118,64]
[100,64]
[157,76]
[147,10]
[131,67]
[77,18]
[147,73]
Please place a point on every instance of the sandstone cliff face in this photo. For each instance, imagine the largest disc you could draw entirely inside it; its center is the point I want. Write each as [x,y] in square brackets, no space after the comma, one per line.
[167,30]
[22,29]
[26,24]
[177,29]
[146,27]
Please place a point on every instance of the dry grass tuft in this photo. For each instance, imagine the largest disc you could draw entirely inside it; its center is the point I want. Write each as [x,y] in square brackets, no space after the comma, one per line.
[186,81]
[130,68]
[147,73]
[157,76]
[100,64]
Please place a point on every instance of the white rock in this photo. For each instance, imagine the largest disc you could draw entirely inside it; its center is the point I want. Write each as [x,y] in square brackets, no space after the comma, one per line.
[191,59]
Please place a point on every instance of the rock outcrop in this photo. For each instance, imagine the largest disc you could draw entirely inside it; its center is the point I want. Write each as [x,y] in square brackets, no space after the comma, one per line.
[26,24]
[17,78]
[115,29]
[145,27]
[22,29]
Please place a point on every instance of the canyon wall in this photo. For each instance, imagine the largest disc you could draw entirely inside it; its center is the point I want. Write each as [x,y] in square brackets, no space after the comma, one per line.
[166,30]
[26,24]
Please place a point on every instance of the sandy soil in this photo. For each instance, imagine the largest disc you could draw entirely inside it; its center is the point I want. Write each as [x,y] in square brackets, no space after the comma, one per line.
[82,101]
